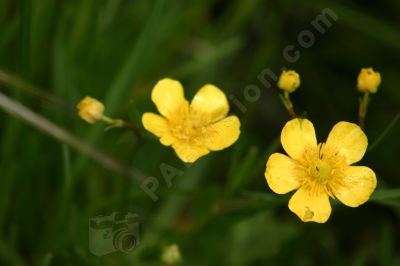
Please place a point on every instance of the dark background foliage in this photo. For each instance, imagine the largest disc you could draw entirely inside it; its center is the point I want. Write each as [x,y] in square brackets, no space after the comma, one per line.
[220,211]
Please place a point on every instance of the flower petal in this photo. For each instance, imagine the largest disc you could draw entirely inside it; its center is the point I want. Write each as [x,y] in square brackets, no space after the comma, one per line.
[168,96]
[167,139]
[222,134]
[155,124]
[311,205]
[189,152]
[298,135]
[356,186]
[349,140]
[210,104]
[282,173]
[159,126]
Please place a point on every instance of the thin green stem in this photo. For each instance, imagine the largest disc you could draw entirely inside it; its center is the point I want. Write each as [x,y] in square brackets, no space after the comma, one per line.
[121,123]
[362,113]
[385,132]
[285,98]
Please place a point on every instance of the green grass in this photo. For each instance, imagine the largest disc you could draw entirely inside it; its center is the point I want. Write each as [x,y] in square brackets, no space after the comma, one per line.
[220,211]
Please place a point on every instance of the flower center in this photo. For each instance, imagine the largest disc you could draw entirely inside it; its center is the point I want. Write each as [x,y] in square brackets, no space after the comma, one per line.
[322,165]
[322,170]
[189,129]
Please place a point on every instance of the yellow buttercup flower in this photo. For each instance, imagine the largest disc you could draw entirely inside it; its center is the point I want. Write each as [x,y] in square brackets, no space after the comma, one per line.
[90,109]
[195,129]
[318,171]
[368,80]
[289,81]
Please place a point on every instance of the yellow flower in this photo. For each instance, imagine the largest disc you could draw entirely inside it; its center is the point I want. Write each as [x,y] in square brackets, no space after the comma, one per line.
[368,80]
[289,81]
[90,109]
[192,129]
[318,171]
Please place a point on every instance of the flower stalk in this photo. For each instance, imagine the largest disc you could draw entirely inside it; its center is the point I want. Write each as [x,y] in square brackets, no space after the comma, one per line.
[288,81]
[362,111]
[287,102]
[368,82]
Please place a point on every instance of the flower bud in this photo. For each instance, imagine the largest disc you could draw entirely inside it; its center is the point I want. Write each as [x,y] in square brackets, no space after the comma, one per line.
[289,81]
[368,80]
[171,255]
[90,109]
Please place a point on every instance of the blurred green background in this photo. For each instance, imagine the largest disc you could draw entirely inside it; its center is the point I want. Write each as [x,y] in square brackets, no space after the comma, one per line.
[220,211]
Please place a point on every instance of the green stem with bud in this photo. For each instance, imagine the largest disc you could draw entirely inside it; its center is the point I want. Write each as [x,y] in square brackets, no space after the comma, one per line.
[285,98]
[121,124]
[362,112]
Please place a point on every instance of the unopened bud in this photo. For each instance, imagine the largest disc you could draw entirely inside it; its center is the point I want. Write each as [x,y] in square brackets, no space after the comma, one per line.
[289,81]
[90,109]
[368,80]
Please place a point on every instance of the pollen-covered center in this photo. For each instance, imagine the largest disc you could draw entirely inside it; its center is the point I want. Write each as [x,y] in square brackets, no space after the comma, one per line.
[190,128]
[323,165]
[321,171]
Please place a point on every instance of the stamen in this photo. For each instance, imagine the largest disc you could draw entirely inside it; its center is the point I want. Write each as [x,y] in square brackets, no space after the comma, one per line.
[320,151]
[189,129]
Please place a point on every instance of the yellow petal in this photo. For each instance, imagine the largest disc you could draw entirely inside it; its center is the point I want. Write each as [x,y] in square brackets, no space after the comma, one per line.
[349,140]
[311,205]
[222,134]
[189,152]
[298,135]
[282,173]
[167,139]
[155,124]
[210,104]
[158,125]
[168,96]
[356,186]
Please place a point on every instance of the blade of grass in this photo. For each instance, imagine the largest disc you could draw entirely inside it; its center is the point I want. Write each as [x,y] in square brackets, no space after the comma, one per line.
[386,245]
[6,189]
[14,82]
[58,133]
[249,166]
[242,171]
[172,205]
[209,59]
[7,36]
[385,132]
[25,38]
[365,23]
[384,194]
[65,195]
[128,74]
[85,24]
[13,128]
[51,240]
